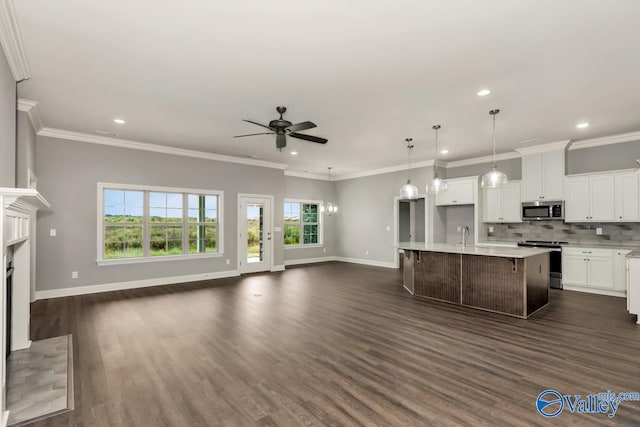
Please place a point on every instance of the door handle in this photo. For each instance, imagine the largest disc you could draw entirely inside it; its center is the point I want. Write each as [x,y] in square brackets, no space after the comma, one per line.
[268,235]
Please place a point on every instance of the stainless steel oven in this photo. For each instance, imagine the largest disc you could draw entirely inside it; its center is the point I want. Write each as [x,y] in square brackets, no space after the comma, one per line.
[555,258]
[541,211]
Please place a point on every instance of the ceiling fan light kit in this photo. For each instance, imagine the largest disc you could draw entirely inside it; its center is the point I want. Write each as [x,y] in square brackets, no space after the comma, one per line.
[283,128]
[494,178]
[409,191]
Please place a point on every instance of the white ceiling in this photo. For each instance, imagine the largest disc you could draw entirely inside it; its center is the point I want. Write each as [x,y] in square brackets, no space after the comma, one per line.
[368,73]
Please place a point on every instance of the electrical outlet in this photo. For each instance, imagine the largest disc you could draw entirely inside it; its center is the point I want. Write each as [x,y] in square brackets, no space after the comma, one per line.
[366,252]
[324,250]
[53,232]
[74,274]
[459,228]
[228,261]
[599,231]
[490,229]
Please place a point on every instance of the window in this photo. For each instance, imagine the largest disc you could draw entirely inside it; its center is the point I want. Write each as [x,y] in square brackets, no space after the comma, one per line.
[302,223]
[138,223]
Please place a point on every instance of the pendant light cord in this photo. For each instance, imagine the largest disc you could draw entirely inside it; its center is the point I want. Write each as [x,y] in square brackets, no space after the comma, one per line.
[493,135]
[435,159]
[409,148]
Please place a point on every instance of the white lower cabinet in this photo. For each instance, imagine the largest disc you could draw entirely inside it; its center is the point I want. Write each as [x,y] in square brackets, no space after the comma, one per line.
[594,268]
[633,293]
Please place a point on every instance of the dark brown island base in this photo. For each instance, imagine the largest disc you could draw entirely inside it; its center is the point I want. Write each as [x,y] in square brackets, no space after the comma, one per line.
[512,281]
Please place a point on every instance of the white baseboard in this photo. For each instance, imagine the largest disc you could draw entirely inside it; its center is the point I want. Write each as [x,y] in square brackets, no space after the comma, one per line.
[5,419]
[309,260]
[277,268]
[367,262]
[621,294]
[119,286]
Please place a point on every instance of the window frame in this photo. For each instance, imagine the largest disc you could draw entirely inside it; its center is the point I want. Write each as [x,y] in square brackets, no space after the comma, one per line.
[146,226]
[301,231]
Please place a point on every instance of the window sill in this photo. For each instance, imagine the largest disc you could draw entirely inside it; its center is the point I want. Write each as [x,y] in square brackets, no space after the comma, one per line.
[317,245]
[120,261]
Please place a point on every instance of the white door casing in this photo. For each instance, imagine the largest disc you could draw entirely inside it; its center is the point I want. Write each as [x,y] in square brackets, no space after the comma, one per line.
[257,206]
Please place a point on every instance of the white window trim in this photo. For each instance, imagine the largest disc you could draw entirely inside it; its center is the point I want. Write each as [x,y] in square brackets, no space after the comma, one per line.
[320,243]
[115,186]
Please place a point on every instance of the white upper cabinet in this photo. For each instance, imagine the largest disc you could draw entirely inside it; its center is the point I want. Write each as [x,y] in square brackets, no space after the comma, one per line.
[542,174]
[502,204]
[460,191]
[602,197]
[626,197]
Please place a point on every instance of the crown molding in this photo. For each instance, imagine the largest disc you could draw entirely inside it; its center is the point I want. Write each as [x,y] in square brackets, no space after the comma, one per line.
[541,148]
[33,111]
[389,169]
[483,159]
[136,145]
[606,140]
[11,42]
[308,175]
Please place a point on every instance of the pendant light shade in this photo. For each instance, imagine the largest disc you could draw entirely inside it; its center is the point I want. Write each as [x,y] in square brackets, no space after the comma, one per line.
[409,191]
[329,208]
[437,185]
[494,178]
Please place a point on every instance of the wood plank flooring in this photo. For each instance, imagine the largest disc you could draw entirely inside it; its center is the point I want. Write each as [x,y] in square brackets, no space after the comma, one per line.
[333,344]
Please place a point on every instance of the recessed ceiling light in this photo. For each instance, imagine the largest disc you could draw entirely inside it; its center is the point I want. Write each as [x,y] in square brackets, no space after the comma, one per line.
[582,125]
[444,151]
[484,92]
[294,153]
[119,121]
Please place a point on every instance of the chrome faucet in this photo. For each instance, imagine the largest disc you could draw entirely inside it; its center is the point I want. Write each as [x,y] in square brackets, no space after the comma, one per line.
[465,233]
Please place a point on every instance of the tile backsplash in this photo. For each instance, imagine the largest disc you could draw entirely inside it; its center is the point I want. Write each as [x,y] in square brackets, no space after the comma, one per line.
[624,233]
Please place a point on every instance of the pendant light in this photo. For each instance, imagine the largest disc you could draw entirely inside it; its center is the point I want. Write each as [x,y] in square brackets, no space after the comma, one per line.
[494,178]
[437,185]
[329,208]
[409,191]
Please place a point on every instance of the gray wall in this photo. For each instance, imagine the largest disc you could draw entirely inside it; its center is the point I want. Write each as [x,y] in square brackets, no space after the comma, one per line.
[366,209]
[26,150]
[7,124]
[313,189]
[68,173]
[458,216]
[512,167]
[603,158]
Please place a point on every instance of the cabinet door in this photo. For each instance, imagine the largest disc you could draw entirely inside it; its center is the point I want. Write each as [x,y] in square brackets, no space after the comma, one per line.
[577,199]
[574,270]
[464,194]
[445,197]
[620,270]
[600,272]
[532,177]
[626,198]
[491,204]
[511,205]
[552,175]
[601,199]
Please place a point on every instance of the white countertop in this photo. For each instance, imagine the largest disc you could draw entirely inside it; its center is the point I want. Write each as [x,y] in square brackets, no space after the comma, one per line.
[498,251]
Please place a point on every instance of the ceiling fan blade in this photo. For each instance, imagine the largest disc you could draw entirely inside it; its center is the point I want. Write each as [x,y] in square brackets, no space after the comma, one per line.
[308,138]
[281,141]
[252,134]
[301,126]
[256,123]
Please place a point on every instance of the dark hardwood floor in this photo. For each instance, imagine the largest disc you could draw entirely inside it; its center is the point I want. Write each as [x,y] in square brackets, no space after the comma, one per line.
[333,344]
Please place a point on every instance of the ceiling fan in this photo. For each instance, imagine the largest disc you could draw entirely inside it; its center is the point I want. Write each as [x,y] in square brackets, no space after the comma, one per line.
[281,128]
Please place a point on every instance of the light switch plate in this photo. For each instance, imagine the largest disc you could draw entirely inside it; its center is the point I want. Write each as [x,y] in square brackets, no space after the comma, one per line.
[277,229]
[388,228]
[53,232]
[74,274]
[490,229]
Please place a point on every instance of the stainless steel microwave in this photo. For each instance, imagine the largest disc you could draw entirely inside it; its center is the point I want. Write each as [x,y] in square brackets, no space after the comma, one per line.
[543,211]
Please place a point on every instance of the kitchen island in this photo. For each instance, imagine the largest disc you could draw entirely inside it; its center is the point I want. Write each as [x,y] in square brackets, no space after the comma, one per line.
[511,281]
